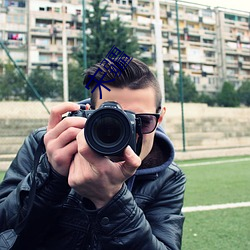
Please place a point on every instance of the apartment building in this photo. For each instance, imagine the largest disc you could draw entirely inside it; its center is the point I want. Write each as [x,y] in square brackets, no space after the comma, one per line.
[233,36]
[33,31]
[214,43]
[13,31]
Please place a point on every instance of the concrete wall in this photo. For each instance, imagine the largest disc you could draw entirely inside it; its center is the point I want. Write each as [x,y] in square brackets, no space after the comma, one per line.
[208,127]
[205,127]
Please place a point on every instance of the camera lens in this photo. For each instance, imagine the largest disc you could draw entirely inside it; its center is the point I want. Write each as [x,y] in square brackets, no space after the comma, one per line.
[108,131]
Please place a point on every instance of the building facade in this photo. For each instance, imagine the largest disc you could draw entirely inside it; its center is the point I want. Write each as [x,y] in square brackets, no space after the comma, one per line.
[214,42]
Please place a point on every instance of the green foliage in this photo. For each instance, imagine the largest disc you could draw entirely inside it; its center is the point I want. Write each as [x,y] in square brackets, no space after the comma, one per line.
[45,85]
[76,89]
[11,84]
[104,34]
[190,93]
[210,100]
[244,93]
[171,92]
[228,96]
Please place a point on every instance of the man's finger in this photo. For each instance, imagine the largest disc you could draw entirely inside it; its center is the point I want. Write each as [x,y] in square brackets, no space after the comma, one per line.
[132,162]
[58,111]
[83,148]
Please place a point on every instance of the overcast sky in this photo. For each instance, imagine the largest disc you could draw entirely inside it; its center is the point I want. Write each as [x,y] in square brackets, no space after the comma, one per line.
[243,5]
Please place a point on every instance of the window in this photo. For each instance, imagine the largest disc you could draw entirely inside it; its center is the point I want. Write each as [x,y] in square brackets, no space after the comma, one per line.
[16,36]
[207,13]
[196,79]
[44,58]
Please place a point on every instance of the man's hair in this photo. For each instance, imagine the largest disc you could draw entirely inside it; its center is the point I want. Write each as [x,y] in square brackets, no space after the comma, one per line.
[136,75]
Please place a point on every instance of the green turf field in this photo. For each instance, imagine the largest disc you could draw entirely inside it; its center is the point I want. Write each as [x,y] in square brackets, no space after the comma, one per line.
[1,175]
[219,229]
[216,181]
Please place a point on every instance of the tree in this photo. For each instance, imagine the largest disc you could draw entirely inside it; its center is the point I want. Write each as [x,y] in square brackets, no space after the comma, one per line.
[190,93]
[45,85]
[171,91]
[210,100]
[76,89]
[104,34]
[11,84]
[244,93]
[228,96]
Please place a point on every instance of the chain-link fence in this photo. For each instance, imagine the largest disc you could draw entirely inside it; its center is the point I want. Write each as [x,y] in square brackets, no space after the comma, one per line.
[206,127]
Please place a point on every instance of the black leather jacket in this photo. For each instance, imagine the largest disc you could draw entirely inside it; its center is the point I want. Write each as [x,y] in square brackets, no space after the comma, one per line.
[144,215]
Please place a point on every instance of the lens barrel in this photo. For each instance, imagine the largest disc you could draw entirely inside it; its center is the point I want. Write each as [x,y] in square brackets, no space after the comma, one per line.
[108,131]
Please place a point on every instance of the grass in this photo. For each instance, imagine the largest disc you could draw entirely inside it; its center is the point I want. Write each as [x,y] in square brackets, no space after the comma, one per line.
[216,184]
[226,158]
[220,229]
[1,175]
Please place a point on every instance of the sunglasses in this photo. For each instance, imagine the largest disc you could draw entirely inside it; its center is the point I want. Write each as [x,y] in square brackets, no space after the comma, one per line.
[148,122]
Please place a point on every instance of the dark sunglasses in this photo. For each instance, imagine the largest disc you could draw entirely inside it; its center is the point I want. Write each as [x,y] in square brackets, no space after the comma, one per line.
[148,122]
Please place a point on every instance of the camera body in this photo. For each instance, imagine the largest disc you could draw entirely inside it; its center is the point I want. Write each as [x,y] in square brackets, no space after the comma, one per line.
[109,129]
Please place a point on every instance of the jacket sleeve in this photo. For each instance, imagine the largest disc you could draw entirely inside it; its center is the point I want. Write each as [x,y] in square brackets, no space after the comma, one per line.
[16,185]
[122,224]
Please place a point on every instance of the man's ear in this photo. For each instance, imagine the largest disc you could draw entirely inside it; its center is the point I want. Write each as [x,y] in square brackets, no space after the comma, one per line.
[163,111]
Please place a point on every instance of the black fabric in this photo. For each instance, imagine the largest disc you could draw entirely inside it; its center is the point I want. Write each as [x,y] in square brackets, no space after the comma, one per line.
[9,237]
[147,216]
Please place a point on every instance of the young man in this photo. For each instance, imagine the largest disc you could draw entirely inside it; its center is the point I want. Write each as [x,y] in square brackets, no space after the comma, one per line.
[85,200]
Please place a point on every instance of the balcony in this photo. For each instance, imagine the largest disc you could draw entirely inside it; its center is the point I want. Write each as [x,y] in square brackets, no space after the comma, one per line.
[229,37]
[123,9]
[49,15]
[3,10]
[181,15]
[40,31]
[147,54]
[208,20]
[231,50]
[73,33]
[140,26]
[208,34]
[15,44]
[170,57]
[210,60]
[144,11]
[246,65]
[21,62]
[208,46]
[232,64]
[242,25]
[16,27]
[145,40]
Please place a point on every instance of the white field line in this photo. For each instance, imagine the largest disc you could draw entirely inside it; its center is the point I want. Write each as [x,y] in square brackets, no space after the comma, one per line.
[215,207]
[213,162]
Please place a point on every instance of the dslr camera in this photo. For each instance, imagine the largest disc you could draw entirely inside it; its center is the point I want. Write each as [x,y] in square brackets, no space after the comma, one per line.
[109,129]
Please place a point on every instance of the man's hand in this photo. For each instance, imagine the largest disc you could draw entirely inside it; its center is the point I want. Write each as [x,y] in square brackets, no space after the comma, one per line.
[60,139]
[98,178]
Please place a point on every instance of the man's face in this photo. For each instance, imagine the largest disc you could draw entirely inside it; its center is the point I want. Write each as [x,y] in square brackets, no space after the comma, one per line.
[137,101]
